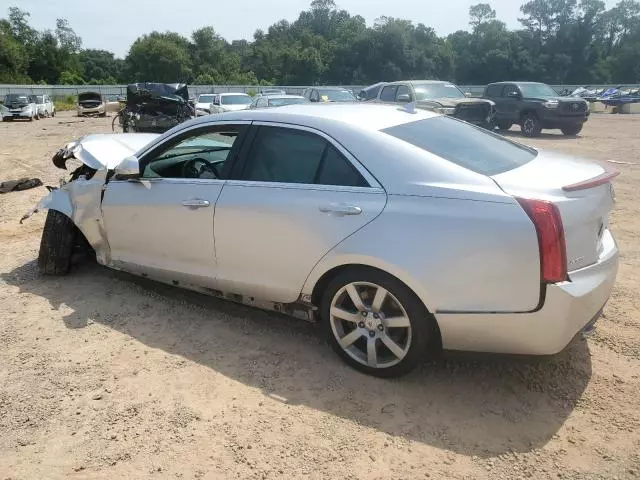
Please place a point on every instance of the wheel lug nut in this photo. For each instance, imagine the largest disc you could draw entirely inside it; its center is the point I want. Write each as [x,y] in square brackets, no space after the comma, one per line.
[364,314]
[381,327]
[372,334]
[375,315]
[361,325]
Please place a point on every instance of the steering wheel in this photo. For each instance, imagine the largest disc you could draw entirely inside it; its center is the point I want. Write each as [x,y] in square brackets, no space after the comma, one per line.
[197,166]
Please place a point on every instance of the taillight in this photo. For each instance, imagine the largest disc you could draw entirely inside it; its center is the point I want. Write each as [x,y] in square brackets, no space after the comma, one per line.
[553,252]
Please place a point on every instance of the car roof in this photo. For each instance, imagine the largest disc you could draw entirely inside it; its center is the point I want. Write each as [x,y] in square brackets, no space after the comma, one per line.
[270,97]
[330,88]
[434,82]
[517,83]
[325,115]
[228,94]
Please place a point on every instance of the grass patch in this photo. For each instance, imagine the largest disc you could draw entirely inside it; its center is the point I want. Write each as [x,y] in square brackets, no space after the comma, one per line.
[65,103]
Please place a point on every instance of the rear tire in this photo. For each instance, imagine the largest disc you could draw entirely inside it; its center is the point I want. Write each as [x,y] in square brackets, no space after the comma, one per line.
[571,130]
[366,338]
[56,247]
[530,125]
[503,126]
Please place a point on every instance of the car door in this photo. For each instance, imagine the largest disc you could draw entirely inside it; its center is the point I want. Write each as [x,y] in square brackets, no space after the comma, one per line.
[295,194]
[511,99]
[161,224]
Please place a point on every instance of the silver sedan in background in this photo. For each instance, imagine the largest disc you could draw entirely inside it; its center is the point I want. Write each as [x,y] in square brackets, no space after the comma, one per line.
[401,231]
[270,101]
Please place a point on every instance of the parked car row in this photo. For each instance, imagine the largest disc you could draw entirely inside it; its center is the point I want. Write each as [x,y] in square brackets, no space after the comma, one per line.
[27,107]
[533,106]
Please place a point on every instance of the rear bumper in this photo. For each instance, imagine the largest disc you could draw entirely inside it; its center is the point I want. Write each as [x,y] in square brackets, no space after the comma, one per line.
[568,309]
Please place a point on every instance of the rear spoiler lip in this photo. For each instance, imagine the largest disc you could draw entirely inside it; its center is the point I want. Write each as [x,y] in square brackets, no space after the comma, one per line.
[605,177]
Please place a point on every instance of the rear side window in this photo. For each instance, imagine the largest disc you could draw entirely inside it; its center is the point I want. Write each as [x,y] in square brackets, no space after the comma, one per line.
[389,93]
[463,144]
[294,156]
[494,91]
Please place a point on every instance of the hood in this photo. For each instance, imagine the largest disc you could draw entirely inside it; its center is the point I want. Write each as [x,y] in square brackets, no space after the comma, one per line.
[452,102]
[102,151]
[92,96]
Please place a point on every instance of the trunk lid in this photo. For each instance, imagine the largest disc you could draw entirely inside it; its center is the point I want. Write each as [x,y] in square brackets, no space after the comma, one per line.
[581,190]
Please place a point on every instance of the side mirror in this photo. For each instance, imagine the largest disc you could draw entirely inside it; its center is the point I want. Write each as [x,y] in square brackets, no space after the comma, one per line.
[405,98]
[128,169]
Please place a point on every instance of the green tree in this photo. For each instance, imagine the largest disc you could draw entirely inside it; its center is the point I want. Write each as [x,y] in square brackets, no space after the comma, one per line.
[159,57]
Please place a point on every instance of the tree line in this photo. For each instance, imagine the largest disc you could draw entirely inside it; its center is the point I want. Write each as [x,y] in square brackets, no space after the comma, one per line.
[560,41]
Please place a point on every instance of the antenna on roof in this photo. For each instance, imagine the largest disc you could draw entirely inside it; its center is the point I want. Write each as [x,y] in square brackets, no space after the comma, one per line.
[409,108]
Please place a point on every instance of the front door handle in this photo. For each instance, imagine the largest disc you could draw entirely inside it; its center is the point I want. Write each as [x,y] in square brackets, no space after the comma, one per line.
[195,203]
[340,209]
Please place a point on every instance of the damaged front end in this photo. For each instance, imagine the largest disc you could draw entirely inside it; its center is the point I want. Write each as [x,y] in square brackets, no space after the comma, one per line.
[80,196]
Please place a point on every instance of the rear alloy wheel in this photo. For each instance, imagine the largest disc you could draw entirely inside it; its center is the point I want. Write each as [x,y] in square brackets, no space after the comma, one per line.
[530,125]
[376,324]
[571,130]
[504,126]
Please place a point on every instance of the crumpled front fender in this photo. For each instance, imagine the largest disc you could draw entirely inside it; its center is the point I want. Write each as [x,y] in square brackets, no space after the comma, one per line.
[81,201]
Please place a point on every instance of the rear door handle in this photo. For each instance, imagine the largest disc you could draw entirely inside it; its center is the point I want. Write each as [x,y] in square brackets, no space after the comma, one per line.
[195,203]
[340,209]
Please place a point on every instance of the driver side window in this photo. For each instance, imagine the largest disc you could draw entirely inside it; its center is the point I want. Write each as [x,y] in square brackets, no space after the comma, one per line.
[201,154]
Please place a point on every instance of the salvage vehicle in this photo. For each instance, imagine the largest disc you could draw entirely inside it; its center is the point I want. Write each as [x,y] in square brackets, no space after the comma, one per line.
[154,107]
[203,104]
[230,102]
[329,94]
[19,105]
[270,101]
[44,105]
[440,97]
[536,106]
[371,92]
[401,231]
[90,104]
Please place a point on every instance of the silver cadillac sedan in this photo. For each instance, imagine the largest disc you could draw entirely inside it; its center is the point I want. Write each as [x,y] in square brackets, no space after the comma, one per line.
[402,231]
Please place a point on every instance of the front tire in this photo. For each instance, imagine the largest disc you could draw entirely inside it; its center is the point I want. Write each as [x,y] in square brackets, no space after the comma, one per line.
[530,125]
[571,130]
[56,246]
[375,323]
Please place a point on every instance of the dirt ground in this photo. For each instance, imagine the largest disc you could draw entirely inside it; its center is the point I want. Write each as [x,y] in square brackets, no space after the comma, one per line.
[104,376]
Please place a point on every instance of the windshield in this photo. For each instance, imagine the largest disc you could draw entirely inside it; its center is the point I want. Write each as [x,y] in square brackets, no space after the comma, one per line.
[205,98]
[537,90]
[463,144]
[38,98]
[278,102]
[336,96]
[430,91]
[15,98]
[235,100]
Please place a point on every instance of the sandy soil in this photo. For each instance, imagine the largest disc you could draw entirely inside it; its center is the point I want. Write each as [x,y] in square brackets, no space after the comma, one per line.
[104,376]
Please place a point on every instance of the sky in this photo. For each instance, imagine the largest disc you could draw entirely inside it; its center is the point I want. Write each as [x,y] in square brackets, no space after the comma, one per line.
[114,24]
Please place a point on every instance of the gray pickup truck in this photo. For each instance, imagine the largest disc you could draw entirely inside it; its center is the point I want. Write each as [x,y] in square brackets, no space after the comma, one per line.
[441,97]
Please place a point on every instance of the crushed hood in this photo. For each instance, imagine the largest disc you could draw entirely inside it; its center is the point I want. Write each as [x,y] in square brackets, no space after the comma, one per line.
[100,151]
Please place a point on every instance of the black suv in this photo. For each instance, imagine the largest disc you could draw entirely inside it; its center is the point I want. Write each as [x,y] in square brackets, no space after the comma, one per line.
[535,106]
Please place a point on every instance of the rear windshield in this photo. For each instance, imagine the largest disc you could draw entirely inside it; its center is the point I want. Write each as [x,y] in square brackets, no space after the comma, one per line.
[280,101]
[16,97]
[336,95]
[235,100]
[463,144]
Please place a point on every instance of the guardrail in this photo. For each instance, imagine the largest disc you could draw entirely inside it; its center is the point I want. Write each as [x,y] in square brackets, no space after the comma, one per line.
[121,90]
